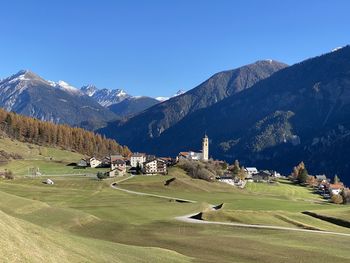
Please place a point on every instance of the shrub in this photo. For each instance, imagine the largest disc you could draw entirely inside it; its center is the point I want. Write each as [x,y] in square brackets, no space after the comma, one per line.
[101,175]
[199,170]
[346,196]
[337,199]
[9,175]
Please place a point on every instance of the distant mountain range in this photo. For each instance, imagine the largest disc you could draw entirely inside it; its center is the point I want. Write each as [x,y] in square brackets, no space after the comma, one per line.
[296,113]
[105,97]
[29,94]
[120,102]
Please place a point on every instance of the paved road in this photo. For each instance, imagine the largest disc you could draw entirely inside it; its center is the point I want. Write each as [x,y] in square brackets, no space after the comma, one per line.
[114,185]
[189,219]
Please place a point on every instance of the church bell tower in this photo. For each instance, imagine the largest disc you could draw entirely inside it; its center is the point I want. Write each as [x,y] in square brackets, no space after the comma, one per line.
[205,148]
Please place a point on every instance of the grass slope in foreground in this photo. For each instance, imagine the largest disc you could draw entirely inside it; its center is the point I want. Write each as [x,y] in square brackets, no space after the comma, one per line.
[25,242]
[88,220]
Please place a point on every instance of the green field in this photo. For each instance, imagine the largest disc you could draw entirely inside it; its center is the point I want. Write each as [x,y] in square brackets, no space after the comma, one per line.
[50,161]
[81,219]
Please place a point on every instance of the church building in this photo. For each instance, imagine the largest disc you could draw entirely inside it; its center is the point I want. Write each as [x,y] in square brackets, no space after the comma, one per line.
[197,156]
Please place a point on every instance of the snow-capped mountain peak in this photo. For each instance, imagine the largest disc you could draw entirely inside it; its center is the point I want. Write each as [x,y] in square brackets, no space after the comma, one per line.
[121,93]
[105,97]
[89,90]
[22,75]
[178,93]
[62,85]
[65,86]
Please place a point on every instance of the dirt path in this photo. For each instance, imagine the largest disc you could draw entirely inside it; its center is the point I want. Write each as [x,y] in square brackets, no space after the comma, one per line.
[189,218]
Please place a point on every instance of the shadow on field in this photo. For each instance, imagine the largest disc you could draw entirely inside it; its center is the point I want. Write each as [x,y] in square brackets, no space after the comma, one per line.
[198,216]
[168,182]
[217,207]
[335,221]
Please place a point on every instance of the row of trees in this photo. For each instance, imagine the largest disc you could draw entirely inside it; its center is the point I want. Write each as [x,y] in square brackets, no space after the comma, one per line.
[300,174]
[31,130]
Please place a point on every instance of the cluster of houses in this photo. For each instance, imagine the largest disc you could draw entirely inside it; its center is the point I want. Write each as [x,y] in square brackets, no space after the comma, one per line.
[141,163]
[251,174]
[324,187]
[136,163]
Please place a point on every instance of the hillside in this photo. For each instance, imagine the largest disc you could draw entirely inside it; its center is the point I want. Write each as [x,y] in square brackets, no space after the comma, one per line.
[299,113]
[22,241]
[132,106]
[28,94]
[154,121]
[21,157]
[26,129]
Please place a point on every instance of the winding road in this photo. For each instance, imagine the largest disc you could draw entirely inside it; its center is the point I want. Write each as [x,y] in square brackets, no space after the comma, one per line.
[114,186]
[190,217]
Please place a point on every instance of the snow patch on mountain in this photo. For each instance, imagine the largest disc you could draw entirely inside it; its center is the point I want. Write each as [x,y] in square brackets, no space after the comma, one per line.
[336,49]
[65,87]
[89,90]
[178,93]
[161,99]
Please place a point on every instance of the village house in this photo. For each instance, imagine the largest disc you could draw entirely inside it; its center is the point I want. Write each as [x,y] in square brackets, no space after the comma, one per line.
[94,162]
[190,155]
[155,166]
[195,156]
[118,164]
[182,156]
[168,160]
[137,159]
[105,162]
[250,171]
[232,181]
[335,189]
[82,163]
[321,179]
[262,176]
[275,174]
[116,172]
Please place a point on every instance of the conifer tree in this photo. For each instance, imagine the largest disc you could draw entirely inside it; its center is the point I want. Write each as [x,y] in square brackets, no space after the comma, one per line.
[31,130]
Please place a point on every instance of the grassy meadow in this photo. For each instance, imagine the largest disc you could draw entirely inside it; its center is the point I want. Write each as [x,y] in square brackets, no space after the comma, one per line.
[81,219]
[50,161]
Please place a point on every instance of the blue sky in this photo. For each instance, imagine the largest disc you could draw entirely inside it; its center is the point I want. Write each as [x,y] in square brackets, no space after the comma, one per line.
[158,47]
